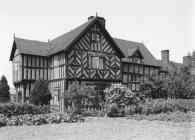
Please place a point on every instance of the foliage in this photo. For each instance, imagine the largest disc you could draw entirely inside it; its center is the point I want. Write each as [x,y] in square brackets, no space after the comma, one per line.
[40,94]
[78,94]
[176,116]
[161,106]
[181,84]
[112,110]
[4,90]
[14,109]
[153,86]
[35,119]
[117,97]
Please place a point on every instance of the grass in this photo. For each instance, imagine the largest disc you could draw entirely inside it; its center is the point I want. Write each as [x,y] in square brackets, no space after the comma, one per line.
[102,129]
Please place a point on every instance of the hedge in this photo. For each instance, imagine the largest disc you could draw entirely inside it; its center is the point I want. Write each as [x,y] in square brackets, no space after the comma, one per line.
[15,109]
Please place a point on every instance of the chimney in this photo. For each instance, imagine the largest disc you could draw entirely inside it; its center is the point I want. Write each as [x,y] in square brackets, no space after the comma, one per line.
[165,55]
[100,19]
[186,59]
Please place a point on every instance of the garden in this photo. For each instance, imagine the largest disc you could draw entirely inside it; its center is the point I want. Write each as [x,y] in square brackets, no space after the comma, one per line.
[164,107]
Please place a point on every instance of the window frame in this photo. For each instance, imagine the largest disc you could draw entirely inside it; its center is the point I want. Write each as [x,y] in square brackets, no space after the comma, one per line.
[98,63]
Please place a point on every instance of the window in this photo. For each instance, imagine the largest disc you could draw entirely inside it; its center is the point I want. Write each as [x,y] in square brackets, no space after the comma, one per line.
[125,68]
[16,70]
[95,37]
[56,95]
[136,60]
[97,62]
[141,69]
[124,78]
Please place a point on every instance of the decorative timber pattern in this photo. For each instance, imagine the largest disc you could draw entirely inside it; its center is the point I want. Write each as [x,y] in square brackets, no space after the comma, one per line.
[80,57]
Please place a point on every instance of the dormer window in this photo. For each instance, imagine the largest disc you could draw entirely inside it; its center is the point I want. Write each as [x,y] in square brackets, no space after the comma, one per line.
[134,55]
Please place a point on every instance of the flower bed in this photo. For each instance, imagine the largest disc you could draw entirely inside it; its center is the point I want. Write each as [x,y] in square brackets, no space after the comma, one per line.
[38,119]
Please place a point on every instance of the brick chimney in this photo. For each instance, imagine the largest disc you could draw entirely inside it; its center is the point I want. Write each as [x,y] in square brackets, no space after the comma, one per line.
[165,55]
[101,20]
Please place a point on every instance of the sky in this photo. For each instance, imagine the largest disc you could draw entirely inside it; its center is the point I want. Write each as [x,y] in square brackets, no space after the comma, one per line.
[160,24]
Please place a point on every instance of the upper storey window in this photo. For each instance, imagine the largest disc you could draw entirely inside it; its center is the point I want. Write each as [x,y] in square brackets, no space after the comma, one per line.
[134,55]
[95,37]
[97,62]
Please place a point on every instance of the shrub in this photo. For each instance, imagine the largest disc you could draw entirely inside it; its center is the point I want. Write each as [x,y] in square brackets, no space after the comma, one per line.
[14,109]
[112,110]
[117,97]
[40,94]
[35,119]
[160,106]
[176,116]
[130,110]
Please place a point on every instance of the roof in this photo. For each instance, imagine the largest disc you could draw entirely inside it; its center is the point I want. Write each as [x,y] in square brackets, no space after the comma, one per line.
[148,58]
[169,66]
[64,41]
[133,52]
[32,47]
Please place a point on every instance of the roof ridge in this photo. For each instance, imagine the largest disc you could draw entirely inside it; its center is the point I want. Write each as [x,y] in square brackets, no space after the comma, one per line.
[73,29]
[33,40]
[127,40]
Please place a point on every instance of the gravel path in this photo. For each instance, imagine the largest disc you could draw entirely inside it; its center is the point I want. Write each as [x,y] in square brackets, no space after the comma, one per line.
[103,129]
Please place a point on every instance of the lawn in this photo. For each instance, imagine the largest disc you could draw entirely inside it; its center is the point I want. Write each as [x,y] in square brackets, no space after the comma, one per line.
[103,129]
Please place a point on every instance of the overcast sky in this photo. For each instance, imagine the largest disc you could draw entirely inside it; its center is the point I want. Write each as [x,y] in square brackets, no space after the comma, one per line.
[160,24]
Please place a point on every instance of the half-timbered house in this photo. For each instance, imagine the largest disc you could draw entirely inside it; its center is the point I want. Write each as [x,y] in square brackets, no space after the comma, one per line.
[88,54]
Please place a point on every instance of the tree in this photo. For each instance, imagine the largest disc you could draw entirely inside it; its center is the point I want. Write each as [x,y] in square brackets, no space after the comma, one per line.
[4,90]
[153,86]
[40,94]
[181,84]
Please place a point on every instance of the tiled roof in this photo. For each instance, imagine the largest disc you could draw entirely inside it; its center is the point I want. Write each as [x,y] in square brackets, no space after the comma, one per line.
[63,41]
[132,52]
[33,47]
[125,45]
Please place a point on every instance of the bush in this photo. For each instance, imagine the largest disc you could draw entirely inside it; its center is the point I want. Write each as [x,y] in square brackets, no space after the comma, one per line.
[14,109]
[161,106]
[36,119]
[112,110]
[117,98]
[40,94]
[176,116]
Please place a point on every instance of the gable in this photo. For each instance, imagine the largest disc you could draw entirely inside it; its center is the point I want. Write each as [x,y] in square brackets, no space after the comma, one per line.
[134,53]
[67,40]
[148,58]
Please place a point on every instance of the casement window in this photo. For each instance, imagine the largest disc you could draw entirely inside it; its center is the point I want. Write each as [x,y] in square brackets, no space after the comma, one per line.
[95,36]
[141,70]
[56,95]
[16,71]
[131,68]
[125,78]
[97,62]
[125,68]
[136,60]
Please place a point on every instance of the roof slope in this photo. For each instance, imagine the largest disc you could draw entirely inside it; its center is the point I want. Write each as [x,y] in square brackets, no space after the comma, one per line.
[32,47]
[125,45]
[63,41]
